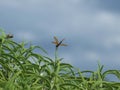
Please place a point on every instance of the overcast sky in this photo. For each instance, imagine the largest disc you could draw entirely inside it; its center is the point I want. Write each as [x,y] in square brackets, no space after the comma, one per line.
[91,28]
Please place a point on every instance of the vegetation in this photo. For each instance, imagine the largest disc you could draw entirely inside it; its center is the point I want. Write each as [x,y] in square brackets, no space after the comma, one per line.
[21,68]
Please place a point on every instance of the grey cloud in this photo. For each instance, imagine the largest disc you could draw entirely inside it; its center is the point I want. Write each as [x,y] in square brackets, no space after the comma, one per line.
[90,31]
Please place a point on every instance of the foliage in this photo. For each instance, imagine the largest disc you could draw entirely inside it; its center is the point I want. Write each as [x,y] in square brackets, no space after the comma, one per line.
[21,68]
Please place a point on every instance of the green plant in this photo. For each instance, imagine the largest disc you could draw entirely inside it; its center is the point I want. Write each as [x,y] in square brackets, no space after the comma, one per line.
[21,68]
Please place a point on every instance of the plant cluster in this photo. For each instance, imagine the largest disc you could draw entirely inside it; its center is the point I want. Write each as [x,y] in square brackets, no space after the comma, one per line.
[21,68]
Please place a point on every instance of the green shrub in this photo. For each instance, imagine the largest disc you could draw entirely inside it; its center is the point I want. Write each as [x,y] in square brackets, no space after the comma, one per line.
[21,68]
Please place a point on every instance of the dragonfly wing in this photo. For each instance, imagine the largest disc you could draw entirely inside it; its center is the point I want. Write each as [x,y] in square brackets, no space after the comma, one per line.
[63,45]
[54,43]
[56,40]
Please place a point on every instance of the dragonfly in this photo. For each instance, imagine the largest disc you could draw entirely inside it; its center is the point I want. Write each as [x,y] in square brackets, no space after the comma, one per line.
[57,43]
[9,36]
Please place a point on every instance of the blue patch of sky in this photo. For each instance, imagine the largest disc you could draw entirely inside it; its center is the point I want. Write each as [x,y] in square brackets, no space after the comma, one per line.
[90,32]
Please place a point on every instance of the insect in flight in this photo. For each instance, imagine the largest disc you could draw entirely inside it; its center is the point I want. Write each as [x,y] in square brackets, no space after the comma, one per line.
[57,43]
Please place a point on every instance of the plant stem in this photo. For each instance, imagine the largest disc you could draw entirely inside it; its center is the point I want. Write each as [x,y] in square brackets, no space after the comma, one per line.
[56,54]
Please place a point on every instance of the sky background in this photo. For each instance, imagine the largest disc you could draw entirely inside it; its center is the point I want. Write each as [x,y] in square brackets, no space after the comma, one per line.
[91,28]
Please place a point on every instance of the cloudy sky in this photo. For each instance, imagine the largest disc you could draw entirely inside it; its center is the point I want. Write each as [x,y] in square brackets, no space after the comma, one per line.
[91,28]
